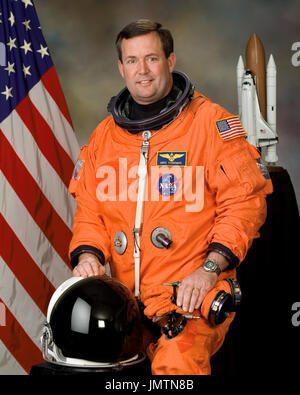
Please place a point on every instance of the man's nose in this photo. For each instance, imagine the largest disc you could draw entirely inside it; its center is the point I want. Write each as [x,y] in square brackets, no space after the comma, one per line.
[143,67]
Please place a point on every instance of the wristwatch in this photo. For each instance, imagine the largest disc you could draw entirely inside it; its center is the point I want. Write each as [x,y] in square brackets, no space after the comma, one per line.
[212,266]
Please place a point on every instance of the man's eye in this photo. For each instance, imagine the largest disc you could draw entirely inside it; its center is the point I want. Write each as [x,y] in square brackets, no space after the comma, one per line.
[131,61]
[152,59]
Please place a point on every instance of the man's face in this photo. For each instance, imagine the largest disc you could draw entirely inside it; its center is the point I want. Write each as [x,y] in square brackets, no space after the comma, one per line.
[146,70]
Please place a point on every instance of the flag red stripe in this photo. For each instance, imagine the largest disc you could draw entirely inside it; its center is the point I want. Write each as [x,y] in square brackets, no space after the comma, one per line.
[18,343]
[46,140]
[43,213]
[235,123]
[51,83]
[233,127]
[240,131]
[24,268]
[236,127]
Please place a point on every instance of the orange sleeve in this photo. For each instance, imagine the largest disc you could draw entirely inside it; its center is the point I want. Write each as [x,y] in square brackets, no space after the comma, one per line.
[88,227]
[240,189]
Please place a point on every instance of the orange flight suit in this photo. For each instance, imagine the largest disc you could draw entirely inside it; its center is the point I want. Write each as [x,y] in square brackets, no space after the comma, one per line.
[210,190]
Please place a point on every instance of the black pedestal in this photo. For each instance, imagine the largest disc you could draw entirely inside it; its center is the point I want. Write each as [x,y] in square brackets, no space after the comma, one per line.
[262,338]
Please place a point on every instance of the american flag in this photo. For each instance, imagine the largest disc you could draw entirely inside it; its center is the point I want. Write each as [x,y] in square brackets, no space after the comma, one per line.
[230,128]
[38,149]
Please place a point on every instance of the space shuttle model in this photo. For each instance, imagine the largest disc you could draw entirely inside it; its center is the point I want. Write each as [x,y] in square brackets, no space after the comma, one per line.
[256,86]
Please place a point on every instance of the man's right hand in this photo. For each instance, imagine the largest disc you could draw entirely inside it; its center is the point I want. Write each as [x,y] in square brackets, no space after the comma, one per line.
[88,266]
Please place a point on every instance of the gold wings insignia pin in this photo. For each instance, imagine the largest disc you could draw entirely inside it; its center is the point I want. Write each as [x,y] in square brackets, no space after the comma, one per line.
[171,157]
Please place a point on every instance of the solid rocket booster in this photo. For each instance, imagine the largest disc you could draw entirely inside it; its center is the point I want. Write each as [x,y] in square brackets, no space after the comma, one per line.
[270,151]
[257,99]
[240,69]
[271,93]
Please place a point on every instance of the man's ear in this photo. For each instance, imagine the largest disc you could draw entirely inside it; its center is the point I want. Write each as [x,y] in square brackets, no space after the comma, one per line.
[172,61]
[121,69]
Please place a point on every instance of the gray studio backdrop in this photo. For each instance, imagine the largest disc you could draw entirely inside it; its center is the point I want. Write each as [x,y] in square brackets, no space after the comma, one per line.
[209,37]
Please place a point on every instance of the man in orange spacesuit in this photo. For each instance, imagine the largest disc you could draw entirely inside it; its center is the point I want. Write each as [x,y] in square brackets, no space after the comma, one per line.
[168,191]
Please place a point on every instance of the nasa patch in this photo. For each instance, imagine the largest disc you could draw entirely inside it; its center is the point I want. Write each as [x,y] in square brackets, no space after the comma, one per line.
[168,185]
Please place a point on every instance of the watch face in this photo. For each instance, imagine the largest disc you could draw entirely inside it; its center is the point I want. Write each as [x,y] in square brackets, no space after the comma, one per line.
[210,266]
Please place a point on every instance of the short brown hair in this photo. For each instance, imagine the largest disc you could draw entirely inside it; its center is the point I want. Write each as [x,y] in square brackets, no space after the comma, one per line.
[145,26]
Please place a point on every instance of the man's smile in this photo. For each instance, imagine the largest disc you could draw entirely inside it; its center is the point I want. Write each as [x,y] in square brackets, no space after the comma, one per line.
[145,82]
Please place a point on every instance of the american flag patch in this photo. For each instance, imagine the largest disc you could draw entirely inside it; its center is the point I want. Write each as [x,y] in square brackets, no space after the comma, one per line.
[230,128]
